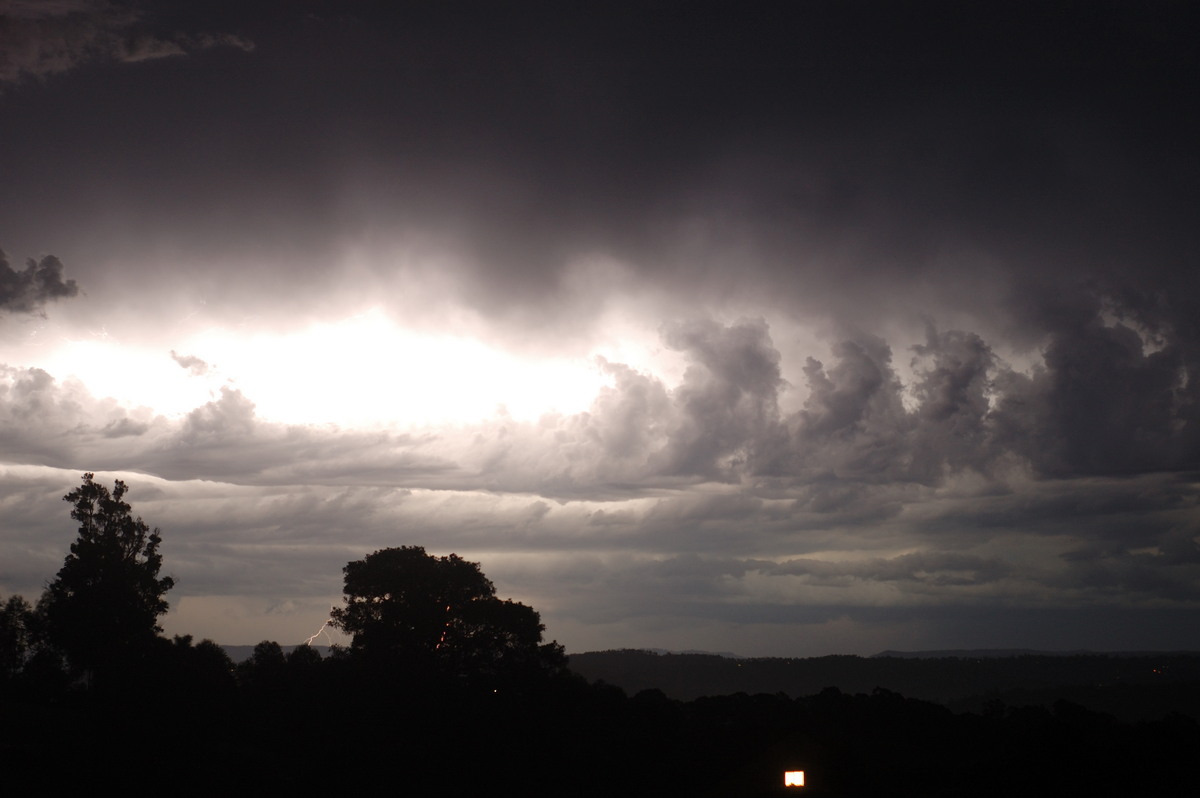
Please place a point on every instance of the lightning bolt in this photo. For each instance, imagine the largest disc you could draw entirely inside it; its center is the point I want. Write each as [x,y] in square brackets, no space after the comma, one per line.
[324,630]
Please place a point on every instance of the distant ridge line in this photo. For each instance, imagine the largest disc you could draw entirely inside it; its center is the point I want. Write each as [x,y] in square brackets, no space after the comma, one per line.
[949,653]
[968,653]
[962,678]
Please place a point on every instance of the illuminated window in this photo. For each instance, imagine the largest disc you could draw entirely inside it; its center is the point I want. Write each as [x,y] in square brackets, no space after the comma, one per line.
[793,778]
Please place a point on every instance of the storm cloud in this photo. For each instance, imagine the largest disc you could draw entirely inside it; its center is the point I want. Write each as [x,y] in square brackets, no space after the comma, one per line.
[825,328]
[29,290]
[40,38]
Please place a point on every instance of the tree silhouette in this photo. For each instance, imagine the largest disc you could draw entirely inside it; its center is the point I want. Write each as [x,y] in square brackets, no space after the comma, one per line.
[405,607]
[16,620]
[102,608]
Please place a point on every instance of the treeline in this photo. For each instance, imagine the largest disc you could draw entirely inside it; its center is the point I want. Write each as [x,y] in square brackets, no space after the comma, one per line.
[88,680]
[95,627]
[448,690]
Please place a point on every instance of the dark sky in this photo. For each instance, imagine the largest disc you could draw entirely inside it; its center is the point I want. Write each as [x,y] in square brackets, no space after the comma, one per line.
[778,328]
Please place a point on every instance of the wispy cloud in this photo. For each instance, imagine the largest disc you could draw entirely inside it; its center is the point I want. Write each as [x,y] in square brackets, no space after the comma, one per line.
[197,367]
[44,38]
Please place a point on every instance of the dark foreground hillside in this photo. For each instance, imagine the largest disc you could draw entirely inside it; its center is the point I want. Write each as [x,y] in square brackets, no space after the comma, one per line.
[310,725]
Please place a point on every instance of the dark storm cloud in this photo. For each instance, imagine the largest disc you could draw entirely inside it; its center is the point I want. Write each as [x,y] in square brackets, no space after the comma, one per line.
[29,290]
[1093,514]
[944,160]
[853,424]
[965,389]
[1102,401]
[762,157]
[698,586]
[691,586]
[1106,399]
[953,386]
[39,416]
[45,37]
[728,399]
[934,569]
[1136,576]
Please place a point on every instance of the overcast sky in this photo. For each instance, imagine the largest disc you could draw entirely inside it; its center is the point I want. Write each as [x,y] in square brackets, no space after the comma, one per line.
[774,328]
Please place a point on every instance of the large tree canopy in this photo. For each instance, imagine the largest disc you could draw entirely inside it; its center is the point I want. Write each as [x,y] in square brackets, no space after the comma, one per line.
[410,608]
[102,608]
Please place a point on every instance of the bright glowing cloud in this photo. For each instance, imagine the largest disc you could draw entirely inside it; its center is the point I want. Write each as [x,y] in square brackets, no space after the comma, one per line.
[134,375]
[361,371]
[368,371]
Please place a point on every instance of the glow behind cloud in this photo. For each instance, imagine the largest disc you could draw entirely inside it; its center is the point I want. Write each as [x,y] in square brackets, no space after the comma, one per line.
[137,376]
[367,371]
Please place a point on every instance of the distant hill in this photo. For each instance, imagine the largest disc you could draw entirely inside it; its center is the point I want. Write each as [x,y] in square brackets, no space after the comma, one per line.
[725,654]
[1132,686]
[974,653]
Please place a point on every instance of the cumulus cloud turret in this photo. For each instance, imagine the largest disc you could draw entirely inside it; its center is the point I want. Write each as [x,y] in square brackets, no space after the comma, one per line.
[29,290]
